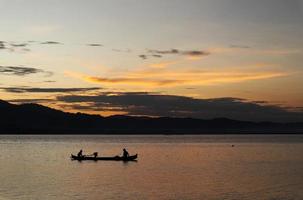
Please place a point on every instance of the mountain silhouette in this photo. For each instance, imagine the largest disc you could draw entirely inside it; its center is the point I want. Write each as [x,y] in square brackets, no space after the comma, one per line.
[38,119]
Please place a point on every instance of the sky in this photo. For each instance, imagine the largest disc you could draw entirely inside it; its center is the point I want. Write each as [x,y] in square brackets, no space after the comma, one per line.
[240,59]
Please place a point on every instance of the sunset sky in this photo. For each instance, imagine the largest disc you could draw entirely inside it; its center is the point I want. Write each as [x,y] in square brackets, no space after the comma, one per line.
[184,58]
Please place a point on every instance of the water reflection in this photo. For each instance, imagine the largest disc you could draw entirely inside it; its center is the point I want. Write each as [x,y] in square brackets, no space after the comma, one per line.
[34,168]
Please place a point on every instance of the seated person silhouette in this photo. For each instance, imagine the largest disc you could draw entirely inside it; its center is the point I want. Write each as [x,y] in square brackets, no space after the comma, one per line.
[125,153]
[80,153]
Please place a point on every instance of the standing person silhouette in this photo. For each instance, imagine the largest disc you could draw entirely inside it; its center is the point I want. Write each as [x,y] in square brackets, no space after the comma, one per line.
[125,153]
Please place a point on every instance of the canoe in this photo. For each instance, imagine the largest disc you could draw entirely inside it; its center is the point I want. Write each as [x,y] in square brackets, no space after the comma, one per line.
[115,158]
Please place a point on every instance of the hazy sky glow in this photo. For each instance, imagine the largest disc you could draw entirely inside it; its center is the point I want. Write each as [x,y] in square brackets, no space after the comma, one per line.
[249,51]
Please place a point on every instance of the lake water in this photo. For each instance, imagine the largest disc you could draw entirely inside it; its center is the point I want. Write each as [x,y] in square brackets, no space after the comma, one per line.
[268,167]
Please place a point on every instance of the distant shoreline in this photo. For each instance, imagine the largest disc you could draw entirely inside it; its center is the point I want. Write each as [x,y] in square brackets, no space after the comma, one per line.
[38,119]
[148,133]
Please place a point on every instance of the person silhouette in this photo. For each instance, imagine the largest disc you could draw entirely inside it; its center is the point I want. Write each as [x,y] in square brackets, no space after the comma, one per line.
[80,153]
[125,153]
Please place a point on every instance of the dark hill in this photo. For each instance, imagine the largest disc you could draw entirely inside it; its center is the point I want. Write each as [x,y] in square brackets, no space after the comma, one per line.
[38,119]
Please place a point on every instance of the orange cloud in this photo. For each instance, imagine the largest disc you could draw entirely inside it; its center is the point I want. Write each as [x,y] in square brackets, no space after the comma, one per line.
[132,81]
[277,52]
[194,57]
[168,78]
[162,64]
[238,77]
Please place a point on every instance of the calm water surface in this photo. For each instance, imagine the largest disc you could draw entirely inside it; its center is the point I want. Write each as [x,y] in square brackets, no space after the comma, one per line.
[268,167]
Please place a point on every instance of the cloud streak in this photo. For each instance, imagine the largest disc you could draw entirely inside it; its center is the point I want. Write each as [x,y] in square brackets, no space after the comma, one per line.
[2,45]
[143,56]
[132,81]
[46,90]
[19,45]
[160,76]
[31,101]
[51,42]
[14,46]
[95,45]
[22,71]
[191,53]
[171,51]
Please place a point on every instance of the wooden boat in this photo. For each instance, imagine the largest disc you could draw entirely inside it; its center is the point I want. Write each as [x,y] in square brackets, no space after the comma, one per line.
[115,158]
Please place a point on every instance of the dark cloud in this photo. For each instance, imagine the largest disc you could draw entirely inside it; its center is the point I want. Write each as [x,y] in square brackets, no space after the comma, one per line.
[14,46]
[19,45]
[144,57]
[181,106]
[89,107]
[46,90]
[51,42]
[2,45]
[22,101]
[260,102]
[22,71]
[195,53]
[95,45]
[157,55]
[172,51]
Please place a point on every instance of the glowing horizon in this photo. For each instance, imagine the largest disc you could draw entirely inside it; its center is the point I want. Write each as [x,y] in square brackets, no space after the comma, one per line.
[198,49]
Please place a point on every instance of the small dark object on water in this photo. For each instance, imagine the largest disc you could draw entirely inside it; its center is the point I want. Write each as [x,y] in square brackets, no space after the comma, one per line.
[232,145]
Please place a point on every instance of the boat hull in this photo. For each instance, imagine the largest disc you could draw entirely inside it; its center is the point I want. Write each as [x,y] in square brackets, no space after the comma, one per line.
[115,158]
